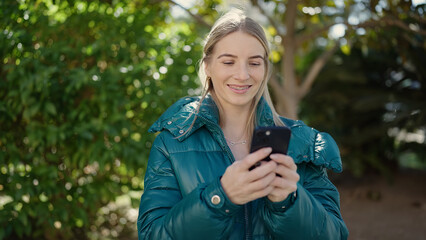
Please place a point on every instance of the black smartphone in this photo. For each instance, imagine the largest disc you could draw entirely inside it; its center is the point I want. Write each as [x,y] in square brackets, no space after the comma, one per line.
[276,137]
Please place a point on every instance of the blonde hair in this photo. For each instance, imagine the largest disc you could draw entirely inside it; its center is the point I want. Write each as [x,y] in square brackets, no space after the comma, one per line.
[233,21]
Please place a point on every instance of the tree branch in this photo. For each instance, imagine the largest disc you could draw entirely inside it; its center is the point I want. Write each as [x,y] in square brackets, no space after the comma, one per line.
[401,24]
[270,19]
[198,18]
[418,18]
[387,22]
[315,69]
[308,36]
[368,24]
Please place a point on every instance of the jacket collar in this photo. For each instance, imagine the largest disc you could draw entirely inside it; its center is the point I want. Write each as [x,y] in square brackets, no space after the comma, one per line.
[179,117]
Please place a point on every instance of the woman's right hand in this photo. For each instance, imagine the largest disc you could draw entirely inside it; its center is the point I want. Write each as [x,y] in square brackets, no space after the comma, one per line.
[242,185]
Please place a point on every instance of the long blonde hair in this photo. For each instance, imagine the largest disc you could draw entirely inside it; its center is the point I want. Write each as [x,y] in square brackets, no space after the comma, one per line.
[233,21]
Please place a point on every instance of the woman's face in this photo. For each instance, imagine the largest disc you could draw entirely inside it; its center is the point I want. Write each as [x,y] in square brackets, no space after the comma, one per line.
[237,68]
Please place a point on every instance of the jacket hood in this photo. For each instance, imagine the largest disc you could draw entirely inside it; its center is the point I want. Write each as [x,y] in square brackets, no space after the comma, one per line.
[179,117]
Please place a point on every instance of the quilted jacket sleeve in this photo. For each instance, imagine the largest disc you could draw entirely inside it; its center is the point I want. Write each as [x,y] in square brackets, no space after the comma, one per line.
[315,212]
[165,214]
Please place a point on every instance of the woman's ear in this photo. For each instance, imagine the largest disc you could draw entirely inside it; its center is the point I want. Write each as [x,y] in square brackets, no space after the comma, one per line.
[206,69]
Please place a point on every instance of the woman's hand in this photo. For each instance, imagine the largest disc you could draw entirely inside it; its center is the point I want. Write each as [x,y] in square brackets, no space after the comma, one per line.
[242,185]
[285,181]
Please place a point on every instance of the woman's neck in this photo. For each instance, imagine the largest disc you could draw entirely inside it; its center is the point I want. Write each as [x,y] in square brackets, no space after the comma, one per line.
[234,126]
[233,122]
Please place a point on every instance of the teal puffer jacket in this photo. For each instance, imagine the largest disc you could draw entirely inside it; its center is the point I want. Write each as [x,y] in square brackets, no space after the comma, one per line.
[183,175]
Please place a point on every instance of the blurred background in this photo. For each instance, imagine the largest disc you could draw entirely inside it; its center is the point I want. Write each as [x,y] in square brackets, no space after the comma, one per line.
[82,81]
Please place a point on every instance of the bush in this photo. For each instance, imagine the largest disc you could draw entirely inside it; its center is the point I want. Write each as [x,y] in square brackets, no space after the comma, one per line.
[80,84]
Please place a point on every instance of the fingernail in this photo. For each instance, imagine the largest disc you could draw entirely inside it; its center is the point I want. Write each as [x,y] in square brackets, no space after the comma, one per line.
[272,156]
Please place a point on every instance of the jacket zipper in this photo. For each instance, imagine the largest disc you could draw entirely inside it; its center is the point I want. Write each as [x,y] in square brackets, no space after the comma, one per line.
[247,222]
[248,235]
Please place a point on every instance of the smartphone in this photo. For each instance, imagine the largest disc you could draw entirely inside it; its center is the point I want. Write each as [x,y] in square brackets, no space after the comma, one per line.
[276,137]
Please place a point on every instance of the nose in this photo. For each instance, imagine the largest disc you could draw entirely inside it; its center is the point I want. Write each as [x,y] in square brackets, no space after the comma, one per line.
[242,73]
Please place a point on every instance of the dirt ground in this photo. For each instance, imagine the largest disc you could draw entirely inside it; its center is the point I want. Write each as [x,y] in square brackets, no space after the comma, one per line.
[375,208]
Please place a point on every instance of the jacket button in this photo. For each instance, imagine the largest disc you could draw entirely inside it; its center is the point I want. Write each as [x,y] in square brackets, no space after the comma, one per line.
[215,200]
[169,122]
[180,131]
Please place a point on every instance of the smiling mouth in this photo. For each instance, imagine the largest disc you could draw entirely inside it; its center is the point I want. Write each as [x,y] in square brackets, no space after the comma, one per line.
[237,87]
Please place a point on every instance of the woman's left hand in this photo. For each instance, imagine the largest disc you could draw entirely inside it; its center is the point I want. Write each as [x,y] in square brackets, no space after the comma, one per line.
[287,177]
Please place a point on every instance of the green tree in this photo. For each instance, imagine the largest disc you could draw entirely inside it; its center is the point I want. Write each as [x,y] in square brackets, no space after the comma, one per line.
[80,84]
[371,98]
[300,28]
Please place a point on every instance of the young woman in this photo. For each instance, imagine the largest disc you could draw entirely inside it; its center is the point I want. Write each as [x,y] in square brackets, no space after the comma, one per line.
[198,184]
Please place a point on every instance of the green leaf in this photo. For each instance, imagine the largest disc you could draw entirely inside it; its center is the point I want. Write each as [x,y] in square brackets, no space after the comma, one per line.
[30,111]
[50,108]
[23,218]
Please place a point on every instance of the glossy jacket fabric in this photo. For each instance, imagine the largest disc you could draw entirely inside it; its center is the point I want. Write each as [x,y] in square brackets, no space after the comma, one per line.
[183,175]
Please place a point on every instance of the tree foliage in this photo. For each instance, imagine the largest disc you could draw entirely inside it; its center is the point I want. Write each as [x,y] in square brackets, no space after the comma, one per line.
[300,27]
[371,94]
[80,83]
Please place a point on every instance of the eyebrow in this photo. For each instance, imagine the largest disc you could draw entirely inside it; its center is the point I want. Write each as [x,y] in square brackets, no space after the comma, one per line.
[233,56]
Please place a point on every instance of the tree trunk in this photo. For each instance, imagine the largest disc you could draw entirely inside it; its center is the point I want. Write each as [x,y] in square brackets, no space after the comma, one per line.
[289,106]
[289,101]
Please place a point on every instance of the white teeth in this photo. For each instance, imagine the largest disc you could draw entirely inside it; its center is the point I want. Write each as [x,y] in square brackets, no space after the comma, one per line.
[239,88]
